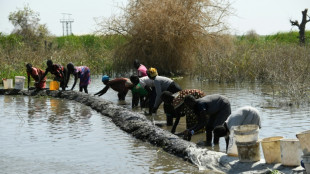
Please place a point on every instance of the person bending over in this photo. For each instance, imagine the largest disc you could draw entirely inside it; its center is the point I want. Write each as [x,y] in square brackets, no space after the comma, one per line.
[211,111]
[174,107]
[81,72]
[242,116]
[120,85]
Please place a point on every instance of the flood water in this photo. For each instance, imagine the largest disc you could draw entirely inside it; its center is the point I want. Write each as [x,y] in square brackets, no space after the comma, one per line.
[47,135]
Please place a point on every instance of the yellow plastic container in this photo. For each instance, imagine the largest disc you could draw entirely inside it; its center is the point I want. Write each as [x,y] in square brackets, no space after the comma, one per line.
[54,85]
[271,149]
[304,139]
[290,152]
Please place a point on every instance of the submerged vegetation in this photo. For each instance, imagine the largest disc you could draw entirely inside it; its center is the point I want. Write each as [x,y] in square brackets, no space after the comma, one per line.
[172,39]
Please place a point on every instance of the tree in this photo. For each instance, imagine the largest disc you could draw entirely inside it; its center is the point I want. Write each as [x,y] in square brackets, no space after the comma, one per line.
[26,24]
[301,26]
[166,33]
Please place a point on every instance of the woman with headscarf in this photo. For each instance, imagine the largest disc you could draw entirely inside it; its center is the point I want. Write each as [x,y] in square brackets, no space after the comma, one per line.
[36,74]
[81,72]
[161,84]
[174,107]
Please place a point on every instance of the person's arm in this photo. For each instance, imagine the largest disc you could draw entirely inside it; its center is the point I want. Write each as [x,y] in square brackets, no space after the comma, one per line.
[202,119]
[227,142]
[135,100]
[178,115]
[75,80]
[45,73]
[158,94]
[103,91]
[28,81]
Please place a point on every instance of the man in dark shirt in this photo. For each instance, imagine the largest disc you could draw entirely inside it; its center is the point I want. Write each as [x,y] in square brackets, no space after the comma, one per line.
[211,111]
[60,72]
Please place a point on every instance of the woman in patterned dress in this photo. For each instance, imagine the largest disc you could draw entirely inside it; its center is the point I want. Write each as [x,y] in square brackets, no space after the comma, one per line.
[81,72]
[175,108]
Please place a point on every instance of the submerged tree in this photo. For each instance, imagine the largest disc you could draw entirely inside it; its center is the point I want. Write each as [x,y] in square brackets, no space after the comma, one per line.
[26,24]
[301,26]
[166,34]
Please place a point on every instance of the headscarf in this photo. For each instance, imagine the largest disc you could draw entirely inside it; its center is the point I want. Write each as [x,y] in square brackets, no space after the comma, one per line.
[153,72]
[105,78]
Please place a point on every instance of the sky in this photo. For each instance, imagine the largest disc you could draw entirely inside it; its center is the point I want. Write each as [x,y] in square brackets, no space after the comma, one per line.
[265,17]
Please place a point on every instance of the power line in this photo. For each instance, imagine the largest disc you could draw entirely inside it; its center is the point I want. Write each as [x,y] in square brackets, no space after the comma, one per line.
[66,24]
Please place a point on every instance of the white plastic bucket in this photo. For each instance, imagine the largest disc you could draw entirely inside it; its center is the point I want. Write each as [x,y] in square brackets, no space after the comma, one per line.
[290,152]
[304,139]
[19,82]
[306,160]
[246,133]
[271,149]
[7,83]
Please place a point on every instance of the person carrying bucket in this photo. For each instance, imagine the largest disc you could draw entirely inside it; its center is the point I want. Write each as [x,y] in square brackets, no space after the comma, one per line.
[174,107]
[211,111]
[36,74]
[120,85]
[242,116]
[81,72]
[60,72]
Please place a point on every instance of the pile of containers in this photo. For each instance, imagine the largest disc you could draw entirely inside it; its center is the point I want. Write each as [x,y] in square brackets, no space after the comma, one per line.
[19,83]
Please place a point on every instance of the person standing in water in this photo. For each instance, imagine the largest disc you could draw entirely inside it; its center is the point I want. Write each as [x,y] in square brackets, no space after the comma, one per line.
[60,72]
[242,116]
[121,85]
[161,84]
[211,111]
[174,107]
[81,72]
[141,69]
[36,74]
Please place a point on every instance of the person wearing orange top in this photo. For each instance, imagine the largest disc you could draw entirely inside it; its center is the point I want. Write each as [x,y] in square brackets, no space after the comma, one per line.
[36,74]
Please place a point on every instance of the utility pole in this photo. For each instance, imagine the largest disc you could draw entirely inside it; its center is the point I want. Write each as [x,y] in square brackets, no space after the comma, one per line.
[66,24]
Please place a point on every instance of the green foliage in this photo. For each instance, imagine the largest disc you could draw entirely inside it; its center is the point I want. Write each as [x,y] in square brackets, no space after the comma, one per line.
[26,24]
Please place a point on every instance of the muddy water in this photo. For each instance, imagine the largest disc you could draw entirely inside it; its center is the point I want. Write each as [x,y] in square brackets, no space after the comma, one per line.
[46,135]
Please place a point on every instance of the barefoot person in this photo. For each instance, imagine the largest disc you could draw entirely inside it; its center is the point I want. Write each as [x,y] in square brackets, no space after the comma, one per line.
[60,72]
[120,85]
[211,111]
[36,74]
[242,116]
[174,107]
[81,72]
[162,84]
